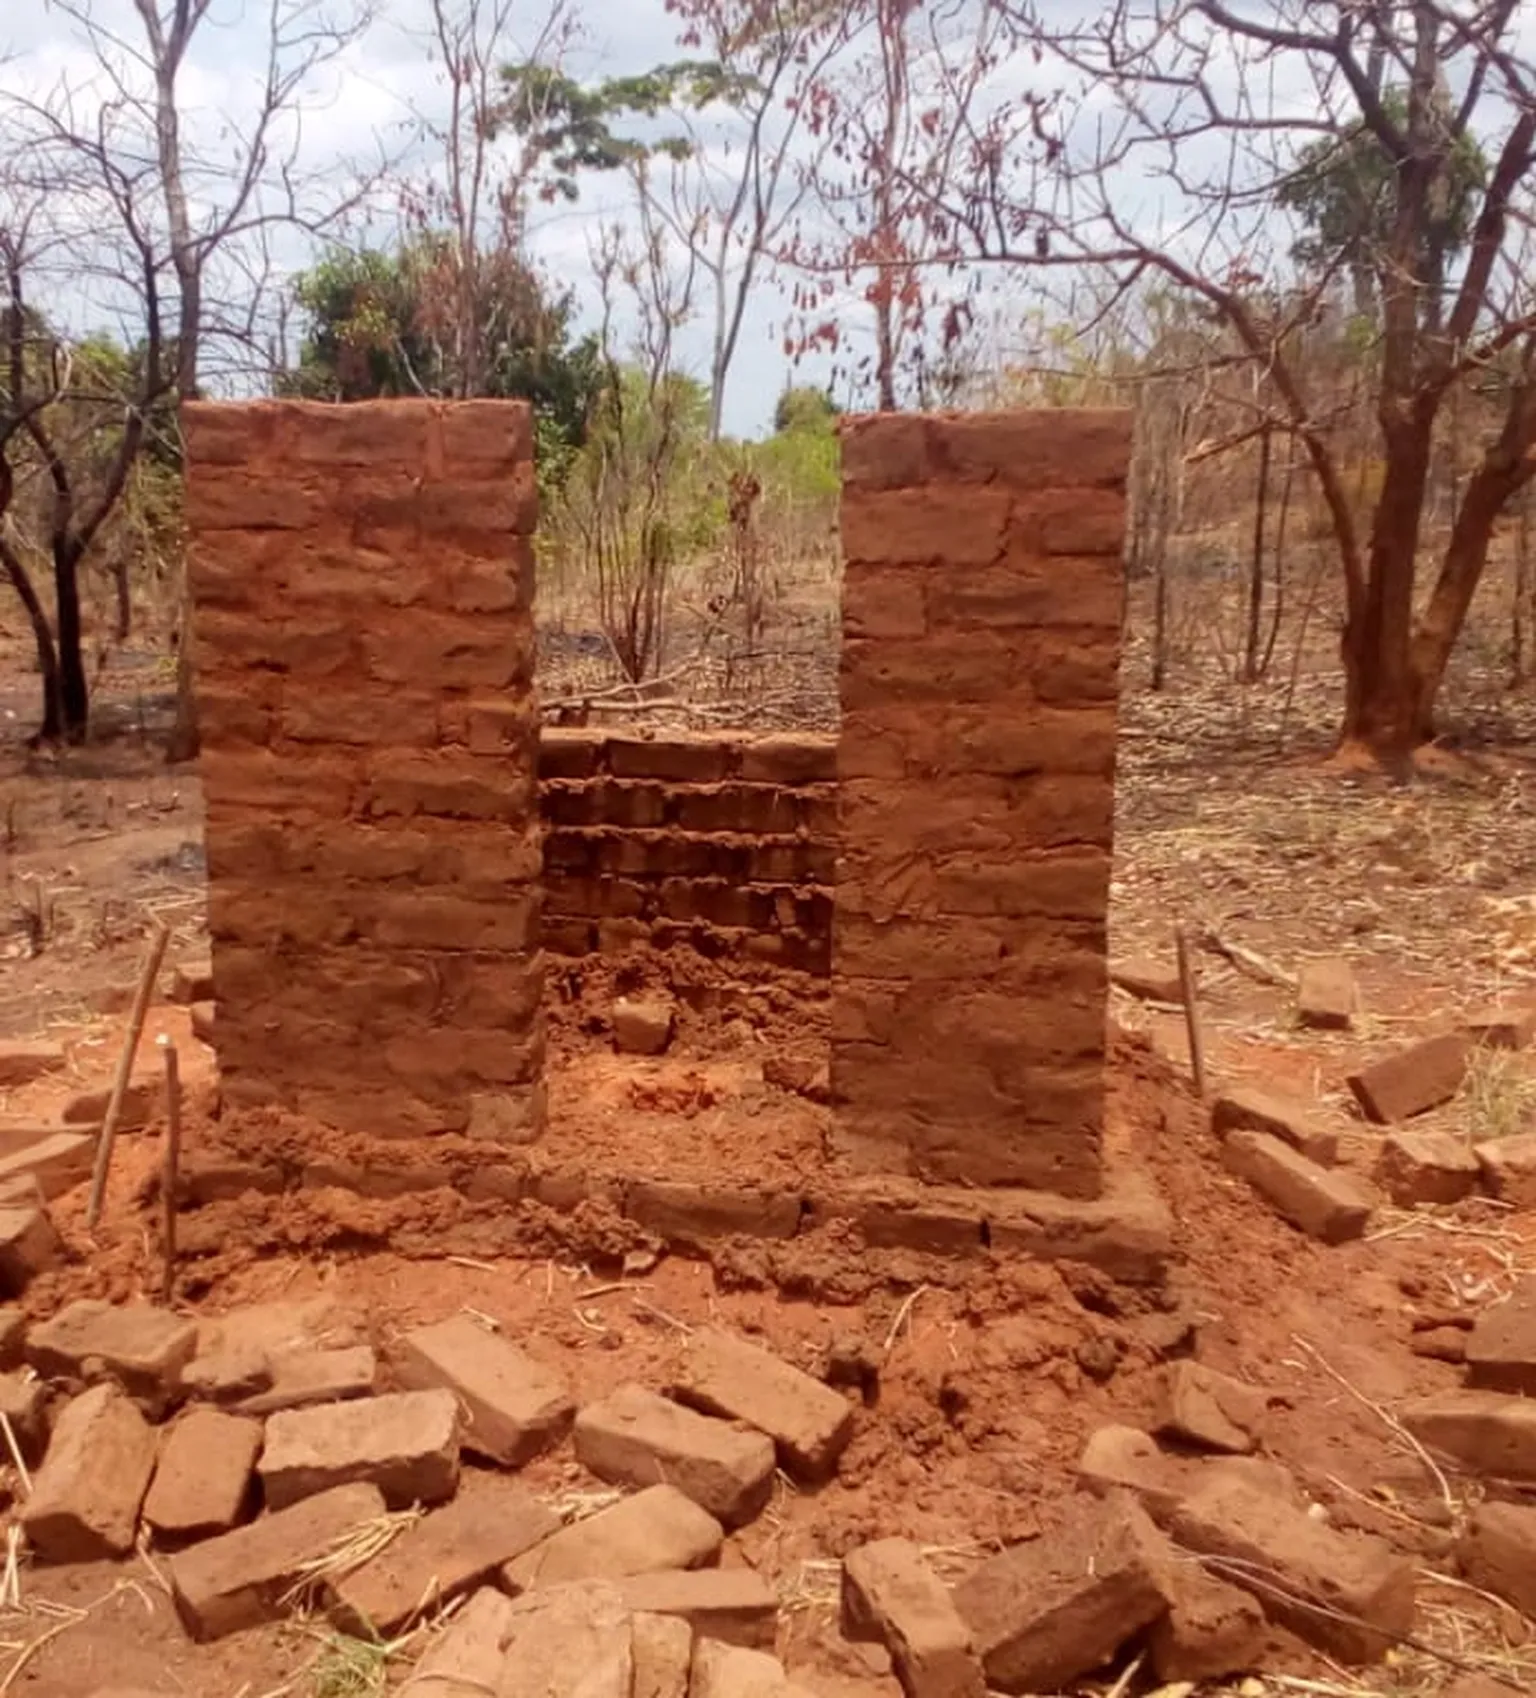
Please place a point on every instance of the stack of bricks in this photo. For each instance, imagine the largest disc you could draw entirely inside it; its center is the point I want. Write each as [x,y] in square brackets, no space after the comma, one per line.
[982,603]
[362,579]
[721,844]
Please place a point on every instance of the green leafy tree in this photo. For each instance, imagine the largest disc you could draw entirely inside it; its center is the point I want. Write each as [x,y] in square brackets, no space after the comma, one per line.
[804,409]
[377,327]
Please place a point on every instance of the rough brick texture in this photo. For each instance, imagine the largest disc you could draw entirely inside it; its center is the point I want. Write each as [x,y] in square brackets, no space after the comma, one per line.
[362,579]
[722,844]
[982,598]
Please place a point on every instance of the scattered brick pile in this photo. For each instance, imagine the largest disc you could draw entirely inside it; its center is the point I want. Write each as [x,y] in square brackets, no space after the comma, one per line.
[323,1476]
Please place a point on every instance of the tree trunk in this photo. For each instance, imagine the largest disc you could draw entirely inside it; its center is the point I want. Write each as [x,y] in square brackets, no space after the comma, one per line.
[74,687]
[51,730]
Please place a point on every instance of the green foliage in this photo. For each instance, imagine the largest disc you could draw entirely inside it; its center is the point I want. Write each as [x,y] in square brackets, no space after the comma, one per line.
[567,127]
[803,409]
[1345,192]
[383,324]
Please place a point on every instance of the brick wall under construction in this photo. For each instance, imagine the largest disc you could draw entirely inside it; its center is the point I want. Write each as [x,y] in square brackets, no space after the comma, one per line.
[362,579]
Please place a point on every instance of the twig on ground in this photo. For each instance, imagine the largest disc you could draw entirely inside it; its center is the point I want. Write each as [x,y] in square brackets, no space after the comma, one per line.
[903,1315]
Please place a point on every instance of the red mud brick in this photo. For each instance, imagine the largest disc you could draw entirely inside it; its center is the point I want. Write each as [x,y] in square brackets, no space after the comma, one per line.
[1325,1204]
[1209,1409]
[1044,1613]
[405,1443]
[239,1579]
[209,1178]
[732,1671]
[29,1245]
[1484,1432]
[470,1656]
[203,1016]
[641,1027]
[1508,1167]
[514,1407]
[892,1596]
[1501,1347]
[1426,1167]
[450,1551]
[809,1423]
[1498,1553]
[13,1337]
[1125,1458]
[663,1650]
[1350,1595]
[141,1101]
[24,1403]
[142,1347]
[1148,980]
[1440,1344]
[85,1498]
[635,1438]
[1327,998]
[683,1213]
[192,981]
[734,1605]
[1511,1027]
[654,1530]
[1413,1080]
[568,1642]
[1295,1123]
[59,1162]
[203,1477]
[227,1376]
[22,1062]
[1211,1630]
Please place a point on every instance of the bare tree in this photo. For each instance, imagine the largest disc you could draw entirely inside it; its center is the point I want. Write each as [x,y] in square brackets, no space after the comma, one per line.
[1168,139]
[198,216]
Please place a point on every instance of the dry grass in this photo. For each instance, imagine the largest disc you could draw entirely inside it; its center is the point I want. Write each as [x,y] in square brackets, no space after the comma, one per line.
[1498,1097]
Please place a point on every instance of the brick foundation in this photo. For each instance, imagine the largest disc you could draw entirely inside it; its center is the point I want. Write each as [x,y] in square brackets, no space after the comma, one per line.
[982,604]
[362,578]
[722,844]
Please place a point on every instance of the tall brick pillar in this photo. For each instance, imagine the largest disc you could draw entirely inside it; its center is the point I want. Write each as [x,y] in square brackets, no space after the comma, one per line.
[982,599]
[362,580]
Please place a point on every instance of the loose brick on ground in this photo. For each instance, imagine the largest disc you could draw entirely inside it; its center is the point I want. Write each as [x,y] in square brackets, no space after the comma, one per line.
[1413,1080]
[22,1062]
[1498,1552]
[641,1026]
[1044,1613]
[1323,1203]
[1484,1432]
[405,1443]
[734,1605]
[654,1530]
[450,1551]
[1509,1026]
[732,1671]
[1501,1347]
[1212,1629]
[1247,1109]
[300,1379]
[239,1579]
[467,1659]
[29,1245]
[1327,996]
[192,981]
[891,1596]
[204,1015]
[84,1503]
[514,1406]
[1508,1167]
[636,1438]
[228,1376]
[568,1642]
[662,1646]
[1350,1595]
[809,1423]
[24,1403]
[141,1102]
[1426,1167]
[13,1337]
[1125,1458]
[1210,1409]
[202,1479]
[1151,981]
[143,1348]
[59,1162]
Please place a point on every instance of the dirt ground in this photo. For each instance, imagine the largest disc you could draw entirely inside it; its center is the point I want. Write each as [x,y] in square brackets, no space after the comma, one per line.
[992,1372]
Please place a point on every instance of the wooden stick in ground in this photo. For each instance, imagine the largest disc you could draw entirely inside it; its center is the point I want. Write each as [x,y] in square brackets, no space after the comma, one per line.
[141,1001]
[170,1176]
[1191,1011]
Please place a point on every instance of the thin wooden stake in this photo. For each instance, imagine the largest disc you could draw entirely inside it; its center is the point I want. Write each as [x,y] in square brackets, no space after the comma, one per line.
[1191,1010]
[141,1001]
[169,1177]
